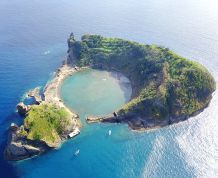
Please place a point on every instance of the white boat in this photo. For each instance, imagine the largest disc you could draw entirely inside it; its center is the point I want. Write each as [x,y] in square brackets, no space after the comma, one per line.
[109,132]
[74,133]
[76,153]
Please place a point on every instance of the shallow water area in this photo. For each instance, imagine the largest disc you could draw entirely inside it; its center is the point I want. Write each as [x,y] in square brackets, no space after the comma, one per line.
[95,92]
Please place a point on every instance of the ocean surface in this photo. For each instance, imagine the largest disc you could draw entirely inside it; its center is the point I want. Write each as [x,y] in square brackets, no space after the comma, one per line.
[33,37]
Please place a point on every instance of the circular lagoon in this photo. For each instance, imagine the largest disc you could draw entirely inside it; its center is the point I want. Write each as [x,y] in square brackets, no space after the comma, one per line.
[95,92]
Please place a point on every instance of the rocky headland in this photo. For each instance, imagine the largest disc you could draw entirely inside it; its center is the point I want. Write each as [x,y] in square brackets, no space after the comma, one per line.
[22,142]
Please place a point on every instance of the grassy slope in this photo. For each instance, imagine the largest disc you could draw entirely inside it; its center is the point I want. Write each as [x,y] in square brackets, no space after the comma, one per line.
[45,122]
[165,84]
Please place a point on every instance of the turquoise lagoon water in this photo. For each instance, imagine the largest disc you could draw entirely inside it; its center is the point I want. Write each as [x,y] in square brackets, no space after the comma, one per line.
[95,92]
[33,44]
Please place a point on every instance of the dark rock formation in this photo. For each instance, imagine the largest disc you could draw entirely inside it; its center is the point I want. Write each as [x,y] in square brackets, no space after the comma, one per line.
[19,147]
[22,109]
[35,94]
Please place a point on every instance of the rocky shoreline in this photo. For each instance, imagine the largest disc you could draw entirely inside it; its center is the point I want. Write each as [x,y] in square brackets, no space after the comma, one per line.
[137,123]
[19,147]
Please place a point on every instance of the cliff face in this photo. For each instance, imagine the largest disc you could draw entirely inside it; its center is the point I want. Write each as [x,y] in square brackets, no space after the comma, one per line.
[166,87]
[19,147]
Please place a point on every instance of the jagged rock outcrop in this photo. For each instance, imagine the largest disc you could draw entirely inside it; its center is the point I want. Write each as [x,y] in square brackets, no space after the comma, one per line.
[22,109]
[35,94]
[19,151]
[19,147]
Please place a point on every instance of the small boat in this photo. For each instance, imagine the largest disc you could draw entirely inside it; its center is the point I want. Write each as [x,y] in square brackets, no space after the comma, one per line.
[74,133]
[47,52]
[109,132]
[76,153]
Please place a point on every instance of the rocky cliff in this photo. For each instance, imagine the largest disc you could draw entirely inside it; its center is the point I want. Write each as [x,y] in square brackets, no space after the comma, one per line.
[19,147]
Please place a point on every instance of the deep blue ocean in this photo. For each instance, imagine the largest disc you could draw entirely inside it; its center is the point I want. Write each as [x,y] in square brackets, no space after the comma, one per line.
[33,37]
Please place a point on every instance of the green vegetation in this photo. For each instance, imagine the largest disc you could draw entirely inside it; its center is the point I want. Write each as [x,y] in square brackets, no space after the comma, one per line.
[45,122]
[164,84]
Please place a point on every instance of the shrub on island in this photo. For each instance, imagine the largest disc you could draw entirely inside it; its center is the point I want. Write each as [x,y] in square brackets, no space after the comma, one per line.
[46,122]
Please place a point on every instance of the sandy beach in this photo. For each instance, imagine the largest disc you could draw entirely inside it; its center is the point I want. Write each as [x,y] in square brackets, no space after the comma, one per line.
[52,90]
